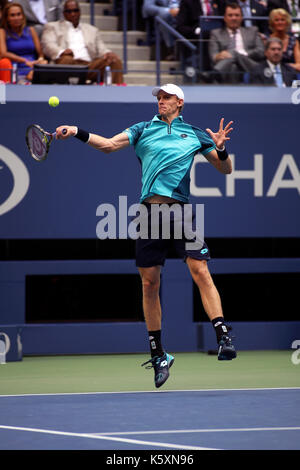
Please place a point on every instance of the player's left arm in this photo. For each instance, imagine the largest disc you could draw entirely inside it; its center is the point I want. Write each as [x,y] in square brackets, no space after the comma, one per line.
[219,157]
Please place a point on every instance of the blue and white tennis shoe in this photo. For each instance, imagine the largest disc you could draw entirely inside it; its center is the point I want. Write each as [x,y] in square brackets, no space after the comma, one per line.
[161,365]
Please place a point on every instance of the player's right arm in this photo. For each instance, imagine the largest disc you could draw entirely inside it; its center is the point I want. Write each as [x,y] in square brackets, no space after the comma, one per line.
[117,142]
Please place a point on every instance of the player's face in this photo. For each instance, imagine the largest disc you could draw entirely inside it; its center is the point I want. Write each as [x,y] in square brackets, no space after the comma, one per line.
[233,18]
[72,13]
[274,53]
[168,105]
[15,17]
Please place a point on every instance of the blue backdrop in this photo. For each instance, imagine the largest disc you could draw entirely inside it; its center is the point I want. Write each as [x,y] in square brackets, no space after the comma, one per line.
[59,197]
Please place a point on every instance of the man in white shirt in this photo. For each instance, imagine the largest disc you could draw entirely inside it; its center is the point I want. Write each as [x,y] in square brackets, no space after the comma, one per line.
[234,49]
[271,71]
[70,42]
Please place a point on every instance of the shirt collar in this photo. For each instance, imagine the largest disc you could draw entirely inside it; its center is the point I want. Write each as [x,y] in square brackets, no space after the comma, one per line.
[157,118]
[272,66]
[230,31]
[70,25]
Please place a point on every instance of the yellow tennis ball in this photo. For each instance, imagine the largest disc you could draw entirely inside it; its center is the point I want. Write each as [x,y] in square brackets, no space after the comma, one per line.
[53,101]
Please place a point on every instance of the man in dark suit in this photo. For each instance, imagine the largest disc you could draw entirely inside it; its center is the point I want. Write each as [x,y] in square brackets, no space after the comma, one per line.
[252,9]
[187,20]
[271,71]
[291,6]
[188,24]
[234,49]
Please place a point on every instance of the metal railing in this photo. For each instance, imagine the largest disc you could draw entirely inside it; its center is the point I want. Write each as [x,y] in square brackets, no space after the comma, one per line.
[184,42]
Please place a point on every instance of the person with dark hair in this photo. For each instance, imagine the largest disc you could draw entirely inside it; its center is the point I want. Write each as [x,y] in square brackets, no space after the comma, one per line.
[18,42]
[234,49]
[272,71]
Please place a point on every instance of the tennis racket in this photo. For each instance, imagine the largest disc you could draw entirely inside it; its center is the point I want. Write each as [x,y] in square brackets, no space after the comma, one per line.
[38,141]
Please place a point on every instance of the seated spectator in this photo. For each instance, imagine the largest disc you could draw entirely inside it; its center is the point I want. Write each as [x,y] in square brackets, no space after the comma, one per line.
[5,70]
[187,20]
[280,24]
[234,49]
[251,9]
[272,71]
[70,42]
[167,10]
[291,6]
[18,42]
[40,12]
[188,24]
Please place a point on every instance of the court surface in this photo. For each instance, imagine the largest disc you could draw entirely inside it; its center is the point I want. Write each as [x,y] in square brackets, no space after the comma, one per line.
[110,403]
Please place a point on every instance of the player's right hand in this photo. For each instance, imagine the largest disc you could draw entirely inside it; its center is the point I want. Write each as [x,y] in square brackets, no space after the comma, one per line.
[71,131]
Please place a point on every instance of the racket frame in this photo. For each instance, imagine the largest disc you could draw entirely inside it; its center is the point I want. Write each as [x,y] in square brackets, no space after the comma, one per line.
[48,137]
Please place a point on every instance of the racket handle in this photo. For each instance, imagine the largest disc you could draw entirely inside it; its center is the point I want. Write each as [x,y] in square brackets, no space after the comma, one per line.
[64,131]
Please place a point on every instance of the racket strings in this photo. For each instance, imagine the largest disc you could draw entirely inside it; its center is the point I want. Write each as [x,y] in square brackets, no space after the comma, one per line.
[38,142]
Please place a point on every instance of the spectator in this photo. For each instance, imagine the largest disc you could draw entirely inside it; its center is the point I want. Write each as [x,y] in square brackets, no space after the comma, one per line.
[18,42]
[188,24]
[272,71]
[189,13]
[234,49]
[167,10]
[280,24]
[40,12]
[251,9]
[73,43]
[291,6]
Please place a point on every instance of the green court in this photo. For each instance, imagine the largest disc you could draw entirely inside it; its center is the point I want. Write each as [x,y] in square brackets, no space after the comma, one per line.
[114,373]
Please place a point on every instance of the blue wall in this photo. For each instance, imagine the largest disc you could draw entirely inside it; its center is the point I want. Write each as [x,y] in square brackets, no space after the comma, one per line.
[65,191]
[59,197]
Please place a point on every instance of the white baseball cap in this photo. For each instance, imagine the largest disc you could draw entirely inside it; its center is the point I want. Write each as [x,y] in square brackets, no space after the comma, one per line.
[170,89]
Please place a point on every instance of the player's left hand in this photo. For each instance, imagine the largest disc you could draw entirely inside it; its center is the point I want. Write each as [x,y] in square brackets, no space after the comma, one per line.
[221,136]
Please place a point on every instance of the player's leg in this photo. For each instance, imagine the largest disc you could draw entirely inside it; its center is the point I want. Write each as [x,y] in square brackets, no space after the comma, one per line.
[212,305]
[151,302]
[160,360]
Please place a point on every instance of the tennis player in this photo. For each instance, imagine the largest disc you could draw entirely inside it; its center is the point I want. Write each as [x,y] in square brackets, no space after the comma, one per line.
[166,147]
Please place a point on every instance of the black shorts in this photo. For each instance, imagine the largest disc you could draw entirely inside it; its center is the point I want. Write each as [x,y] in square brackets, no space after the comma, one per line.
[153,251]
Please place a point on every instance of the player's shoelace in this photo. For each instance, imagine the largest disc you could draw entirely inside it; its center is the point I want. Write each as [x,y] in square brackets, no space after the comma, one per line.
[161,365]
[156,361]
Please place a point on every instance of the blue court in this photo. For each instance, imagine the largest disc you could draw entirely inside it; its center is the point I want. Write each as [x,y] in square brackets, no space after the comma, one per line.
[232,419]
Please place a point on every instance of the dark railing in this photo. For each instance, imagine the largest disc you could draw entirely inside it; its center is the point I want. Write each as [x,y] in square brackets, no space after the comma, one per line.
[184,42]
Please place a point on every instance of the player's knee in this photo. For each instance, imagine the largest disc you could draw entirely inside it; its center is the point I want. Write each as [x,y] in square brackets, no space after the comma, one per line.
[200,273]
[150,285]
